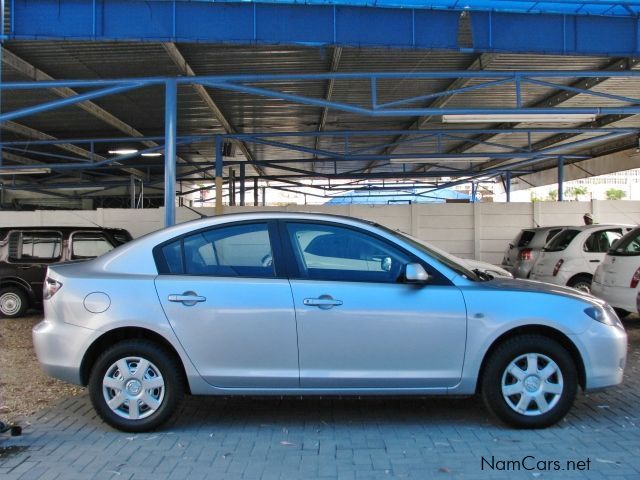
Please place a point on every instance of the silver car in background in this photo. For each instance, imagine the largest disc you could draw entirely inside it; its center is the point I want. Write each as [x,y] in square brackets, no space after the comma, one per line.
[307,304]
[524,249]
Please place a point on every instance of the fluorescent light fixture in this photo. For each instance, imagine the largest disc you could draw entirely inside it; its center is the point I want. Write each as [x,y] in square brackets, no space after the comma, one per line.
[151,154]
[24,171]
[123,151]
[451,159]
[78,189]
[518,118]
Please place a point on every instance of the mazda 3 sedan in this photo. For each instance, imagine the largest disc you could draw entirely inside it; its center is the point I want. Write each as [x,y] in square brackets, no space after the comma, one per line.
[309,304]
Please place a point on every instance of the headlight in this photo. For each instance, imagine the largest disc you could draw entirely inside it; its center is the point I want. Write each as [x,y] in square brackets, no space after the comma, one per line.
[606,315]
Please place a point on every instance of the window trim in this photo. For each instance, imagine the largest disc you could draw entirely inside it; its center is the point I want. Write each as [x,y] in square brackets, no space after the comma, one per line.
[35,260]
[75,232]
[279,269]
[294,273]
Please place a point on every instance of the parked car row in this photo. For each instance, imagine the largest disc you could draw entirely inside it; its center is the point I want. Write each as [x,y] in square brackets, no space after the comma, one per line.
[600,259]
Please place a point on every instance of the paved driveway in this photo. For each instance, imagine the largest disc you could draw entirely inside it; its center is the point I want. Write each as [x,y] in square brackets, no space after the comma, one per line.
[270,438]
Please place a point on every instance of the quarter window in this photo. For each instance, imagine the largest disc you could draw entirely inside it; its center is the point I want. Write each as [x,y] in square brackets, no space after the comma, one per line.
[29,246]
[327,252]
[89,245]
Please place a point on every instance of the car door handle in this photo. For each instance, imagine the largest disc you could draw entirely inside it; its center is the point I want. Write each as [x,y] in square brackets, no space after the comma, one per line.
[187,298]
[324,301]
[594,261]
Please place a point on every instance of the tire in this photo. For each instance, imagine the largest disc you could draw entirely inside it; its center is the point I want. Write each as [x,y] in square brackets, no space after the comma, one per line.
[581,283]
[13,302]
[157,391]
[528,400]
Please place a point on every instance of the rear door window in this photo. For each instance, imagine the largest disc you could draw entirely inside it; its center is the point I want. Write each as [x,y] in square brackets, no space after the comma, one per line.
[25,246]
[561,241]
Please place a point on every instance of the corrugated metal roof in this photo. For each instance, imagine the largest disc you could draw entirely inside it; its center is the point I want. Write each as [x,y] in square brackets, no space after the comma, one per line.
[143,109]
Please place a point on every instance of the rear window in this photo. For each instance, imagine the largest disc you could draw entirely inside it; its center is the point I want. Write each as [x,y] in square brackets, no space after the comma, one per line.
[561,241]
[551,234]
[629,245]
[525,238]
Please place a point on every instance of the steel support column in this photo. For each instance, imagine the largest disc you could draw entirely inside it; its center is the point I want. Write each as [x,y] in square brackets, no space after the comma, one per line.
[242,184]
[255,192]
[170,133]
[219,165]
[507,185]
[560,178]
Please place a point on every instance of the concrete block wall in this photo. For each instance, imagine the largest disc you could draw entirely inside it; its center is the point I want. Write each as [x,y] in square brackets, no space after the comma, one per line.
[480,230]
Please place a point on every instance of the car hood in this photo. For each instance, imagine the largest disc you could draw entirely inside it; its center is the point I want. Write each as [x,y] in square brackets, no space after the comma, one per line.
[542,287]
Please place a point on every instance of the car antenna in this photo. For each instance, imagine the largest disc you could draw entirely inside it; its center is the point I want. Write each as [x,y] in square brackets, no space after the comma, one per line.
[85,219]
[202,215]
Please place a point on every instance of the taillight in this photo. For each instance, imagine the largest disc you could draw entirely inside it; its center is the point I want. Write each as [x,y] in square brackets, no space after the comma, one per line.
[50,288]
[525,254]
[635,279]
[556,269]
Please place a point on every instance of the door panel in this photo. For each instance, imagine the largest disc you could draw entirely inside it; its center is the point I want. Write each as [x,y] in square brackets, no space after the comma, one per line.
[234,317]
[360,325]
[382,335]
[242,335]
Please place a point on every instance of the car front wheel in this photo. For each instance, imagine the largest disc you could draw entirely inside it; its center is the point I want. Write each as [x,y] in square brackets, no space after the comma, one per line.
[135,386]
[530,381]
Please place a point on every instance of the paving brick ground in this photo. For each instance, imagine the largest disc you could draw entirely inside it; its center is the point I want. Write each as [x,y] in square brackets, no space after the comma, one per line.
[264,439]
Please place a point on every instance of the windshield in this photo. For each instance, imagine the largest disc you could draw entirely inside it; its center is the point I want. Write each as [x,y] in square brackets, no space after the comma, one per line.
[629,245]
[561,241]
[451,261]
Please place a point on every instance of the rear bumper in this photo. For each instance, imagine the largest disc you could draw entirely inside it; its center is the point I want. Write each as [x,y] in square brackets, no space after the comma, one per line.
[60,346]
[618,297]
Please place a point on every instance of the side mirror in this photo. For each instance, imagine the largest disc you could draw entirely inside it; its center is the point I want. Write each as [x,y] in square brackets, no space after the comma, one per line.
[415,273]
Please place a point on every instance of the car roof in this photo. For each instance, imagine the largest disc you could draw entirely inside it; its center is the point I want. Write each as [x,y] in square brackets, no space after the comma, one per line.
[63,229]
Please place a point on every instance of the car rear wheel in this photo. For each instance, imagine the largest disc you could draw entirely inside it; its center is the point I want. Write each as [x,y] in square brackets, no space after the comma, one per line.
[13,302]
[530,381]
[581,283]
[135,386]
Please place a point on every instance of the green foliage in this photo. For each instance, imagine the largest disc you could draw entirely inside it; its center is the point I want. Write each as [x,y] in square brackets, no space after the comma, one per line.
[553,195]
[575,192]
[615,194]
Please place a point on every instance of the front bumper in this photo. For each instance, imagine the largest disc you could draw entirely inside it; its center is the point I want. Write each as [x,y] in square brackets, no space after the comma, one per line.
[60,347]
[604,352]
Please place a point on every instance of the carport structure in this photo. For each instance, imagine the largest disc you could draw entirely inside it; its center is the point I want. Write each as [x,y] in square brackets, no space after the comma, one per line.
[434,93]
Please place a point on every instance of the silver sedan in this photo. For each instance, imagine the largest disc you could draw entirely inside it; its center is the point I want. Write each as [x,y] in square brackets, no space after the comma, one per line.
[306,304]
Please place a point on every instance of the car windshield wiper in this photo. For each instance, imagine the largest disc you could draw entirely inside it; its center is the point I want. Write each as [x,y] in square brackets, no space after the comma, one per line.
[482,274]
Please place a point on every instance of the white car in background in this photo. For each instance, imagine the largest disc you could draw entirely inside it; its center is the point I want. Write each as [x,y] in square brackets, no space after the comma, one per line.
[572,256]
[617,278]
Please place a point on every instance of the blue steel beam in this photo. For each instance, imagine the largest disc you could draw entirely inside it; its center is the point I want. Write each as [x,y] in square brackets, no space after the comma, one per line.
[329,133]
[595,28]
[170,129]
[45,107]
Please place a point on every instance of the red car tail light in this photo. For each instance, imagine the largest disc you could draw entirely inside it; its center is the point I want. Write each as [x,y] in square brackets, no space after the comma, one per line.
[635,279]
[525,254]
[556,269]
